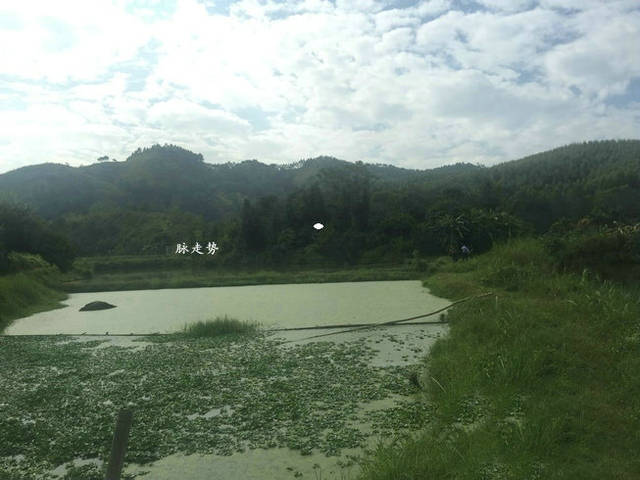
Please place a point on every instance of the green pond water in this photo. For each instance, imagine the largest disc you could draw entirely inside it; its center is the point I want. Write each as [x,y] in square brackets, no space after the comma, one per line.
[376,381]
[162,311]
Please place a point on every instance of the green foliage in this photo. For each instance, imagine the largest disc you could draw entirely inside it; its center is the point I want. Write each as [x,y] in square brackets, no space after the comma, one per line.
[21,231]
[28,292]
[612,251]
[515,264]
[84,472]
[167,152]
[120,232]
[478,228]
[568,181]
[135,275]
[262,215]
[538,381]
[22,262]
[219,326]
[216,396]
[439,264]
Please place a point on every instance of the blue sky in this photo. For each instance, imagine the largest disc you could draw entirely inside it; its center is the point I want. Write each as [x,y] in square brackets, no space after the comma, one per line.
[416,84]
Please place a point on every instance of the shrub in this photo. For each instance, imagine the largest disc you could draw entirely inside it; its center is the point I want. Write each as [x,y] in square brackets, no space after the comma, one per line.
[439,264]
[219,326]
[22,231]
[25,261]
[600,249]
[515,264]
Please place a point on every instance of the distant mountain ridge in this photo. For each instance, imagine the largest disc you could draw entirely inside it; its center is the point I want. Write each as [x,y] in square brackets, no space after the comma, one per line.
[159,178]
[162,177]
[263,214]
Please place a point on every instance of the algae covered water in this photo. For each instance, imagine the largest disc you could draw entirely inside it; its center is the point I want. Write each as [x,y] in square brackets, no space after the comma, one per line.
[236,408]
[292,305]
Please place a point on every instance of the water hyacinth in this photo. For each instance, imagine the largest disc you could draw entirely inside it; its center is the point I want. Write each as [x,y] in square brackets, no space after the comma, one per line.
[217,395]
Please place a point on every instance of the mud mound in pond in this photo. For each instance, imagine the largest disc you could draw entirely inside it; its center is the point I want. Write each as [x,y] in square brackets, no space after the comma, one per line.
[96,306]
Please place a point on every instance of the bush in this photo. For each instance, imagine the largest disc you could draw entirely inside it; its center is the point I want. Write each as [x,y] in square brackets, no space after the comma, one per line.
[17,262]
[22,231]
[601,249]
[439,264]
[219,326]
[24,293]
[515,264]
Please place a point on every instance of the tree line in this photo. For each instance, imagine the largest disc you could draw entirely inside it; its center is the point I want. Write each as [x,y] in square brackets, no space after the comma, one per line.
[372,214]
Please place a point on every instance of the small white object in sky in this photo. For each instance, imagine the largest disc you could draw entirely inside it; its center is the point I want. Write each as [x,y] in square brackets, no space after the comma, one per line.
[318,226]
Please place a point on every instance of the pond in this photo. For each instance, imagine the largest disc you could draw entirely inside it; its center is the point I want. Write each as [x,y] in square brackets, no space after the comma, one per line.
[291,305]
[279,406]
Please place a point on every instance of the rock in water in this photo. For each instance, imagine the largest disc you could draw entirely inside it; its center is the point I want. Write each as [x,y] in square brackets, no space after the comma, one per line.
[96,306]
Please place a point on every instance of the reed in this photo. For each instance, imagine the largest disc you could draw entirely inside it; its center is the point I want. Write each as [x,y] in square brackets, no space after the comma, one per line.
[219,326]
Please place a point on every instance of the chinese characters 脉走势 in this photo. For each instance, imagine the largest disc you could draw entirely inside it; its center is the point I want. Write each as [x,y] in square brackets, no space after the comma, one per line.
[183,248]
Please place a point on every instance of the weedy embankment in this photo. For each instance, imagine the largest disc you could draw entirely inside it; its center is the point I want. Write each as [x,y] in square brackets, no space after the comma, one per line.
[29,287]
[539,381]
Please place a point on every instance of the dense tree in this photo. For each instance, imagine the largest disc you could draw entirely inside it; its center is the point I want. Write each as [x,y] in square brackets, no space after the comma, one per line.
[263,214]
[21,231]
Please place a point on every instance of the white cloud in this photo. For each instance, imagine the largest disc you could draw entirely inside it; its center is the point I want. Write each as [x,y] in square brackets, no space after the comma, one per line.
[176,114]
[278,81]
[390,19]
[615,6]
[396,40]
[603,60]
[508,5]
[432,8]
[63,41]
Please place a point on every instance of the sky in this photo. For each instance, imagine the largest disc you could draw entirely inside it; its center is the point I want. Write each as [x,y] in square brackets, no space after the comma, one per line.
[417,84]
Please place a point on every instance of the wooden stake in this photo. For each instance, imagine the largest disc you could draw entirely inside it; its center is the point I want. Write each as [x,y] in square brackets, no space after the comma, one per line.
[119,446]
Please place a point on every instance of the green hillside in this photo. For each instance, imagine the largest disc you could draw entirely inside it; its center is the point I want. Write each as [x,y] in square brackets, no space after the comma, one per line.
[163,177]
[262,214]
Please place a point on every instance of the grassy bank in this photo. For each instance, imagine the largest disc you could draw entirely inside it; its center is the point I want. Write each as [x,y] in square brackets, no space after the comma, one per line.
[539,381]
[185,278]
[25,293]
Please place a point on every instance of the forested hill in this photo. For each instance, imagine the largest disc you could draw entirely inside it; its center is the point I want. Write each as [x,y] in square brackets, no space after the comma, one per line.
[262,213]
[600,179]
[164,177]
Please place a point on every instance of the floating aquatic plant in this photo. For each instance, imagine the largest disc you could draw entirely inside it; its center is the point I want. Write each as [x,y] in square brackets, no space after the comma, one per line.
[215,395]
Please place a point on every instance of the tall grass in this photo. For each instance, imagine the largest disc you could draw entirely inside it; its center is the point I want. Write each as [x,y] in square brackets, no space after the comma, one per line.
[539,381]
[219,326]
[25,293]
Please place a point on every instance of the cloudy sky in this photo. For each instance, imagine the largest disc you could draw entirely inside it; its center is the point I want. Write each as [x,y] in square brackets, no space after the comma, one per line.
[414,84]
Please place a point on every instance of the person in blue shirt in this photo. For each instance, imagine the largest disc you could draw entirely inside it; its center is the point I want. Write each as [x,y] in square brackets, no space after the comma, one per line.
[465,252]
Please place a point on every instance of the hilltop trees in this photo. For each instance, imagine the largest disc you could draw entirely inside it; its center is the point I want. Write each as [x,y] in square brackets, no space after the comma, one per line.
[21,231]
[263,214]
